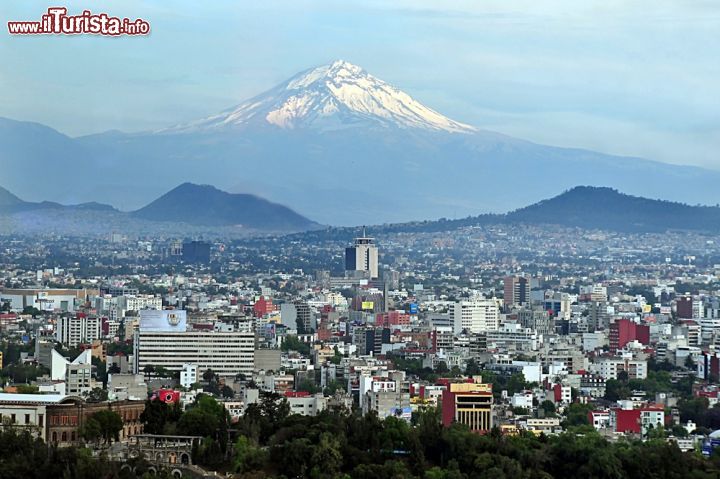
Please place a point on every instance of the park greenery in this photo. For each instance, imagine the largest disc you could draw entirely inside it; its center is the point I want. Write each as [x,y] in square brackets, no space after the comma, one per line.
[270,442]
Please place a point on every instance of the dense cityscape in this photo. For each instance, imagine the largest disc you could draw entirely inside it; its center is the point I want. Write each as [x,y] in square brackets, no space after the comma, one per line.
[190,358]
[326,239]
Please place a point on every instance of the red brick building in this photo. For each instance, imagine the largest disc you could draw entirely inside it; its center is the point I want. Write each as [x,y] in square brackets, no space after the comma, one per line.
[64,421]
[392,318]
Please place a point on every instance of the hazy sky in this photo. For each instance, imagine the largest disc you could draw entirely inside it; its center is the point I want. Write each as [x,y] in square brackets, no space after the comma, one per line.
[619,76]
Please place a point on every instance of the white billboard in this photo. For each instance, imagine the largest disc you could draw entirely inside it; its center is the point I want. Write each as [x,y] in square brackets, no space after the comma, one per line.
[174,320]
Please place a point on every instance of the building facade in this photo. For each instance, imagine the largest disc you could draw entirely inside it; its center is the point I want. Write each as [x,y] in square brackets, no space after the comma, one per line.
[226,353]
[470,404]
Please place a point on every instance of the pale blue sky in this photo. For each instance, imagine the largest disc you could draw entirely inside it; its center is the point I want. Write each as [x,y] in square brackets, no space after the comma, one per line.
[618,76]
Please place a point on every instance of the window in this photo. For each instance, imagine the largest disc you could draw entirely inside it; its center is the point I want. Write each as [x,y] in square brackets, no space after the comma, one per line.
[12,418]
[27,418]
[40,420]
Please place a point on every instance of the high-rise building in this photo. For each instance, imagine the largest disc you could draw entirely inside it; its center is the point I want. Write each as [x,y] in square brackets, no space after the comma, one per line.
[226,353]
[298,315]
[469,404]
[362,256]
[78,329]
[370,340]
[688,307]
[598,316]
[517,291]
[624,331]
[476,315]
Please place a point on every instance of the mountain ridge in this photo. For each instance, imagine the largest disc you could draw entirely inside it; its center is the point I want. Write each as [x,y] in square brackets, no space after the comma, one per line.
[346,167]
[585,207]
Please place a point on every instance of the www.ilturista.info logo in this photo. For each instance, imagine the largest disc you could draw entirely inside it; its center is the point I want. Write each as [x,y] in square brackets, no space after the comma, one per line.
[57,22]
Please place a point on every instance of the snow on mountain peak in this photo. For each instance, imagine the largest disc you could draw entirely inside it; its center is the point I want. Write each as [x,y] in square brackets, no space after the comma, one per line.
[332,96]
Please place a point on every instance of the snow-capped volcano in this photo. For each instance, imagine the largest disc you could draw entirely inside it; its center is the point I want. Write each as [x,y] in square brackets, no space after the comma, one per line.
[331,96]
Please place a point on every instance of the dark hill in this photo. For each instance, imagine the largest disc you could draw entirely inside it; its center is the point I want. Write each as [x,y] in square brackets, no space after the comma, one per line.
[582,207]
[607,209]
[7,198]
[207,206]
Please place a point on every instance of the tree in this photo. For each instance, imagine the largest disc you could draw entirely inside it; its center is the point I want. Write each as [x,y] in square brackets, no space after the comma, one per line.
[327,456]
[516,383]
[548,407]
[209,375]
[247,455]
[110,424]
[197,422]
[97,395]
[227,392]
[91,431]
[27,389]
[309,386]
[689,363]
[616,390]
[332,387]
[292,343]
[472,368]
[577,415]
[206,417]
[158,416]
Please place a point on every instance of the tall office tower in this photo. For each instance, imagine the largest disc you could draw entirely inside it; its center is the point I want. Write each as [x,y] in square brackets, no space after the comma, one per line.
[306,322]
[684,307]
[362,256]
[598,317]
[476,316]
[517,291]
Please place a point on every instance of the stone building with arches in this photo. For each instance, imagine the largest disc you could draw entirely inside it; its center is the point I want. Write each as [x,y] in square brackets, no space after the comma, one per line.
[66,419]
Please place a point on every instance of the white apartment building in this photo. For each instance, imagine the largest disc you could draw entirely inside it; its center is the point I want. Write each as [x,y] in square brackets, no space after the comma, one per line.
[512,337]
[476,315]
[72,331]
[609,368]
[307,405]
[188,375]
[226,353]
[138,303]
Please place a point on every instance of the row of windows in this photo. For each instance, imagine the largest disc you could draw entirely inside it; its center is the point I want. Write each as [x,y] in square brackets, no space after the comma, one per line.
[13,419]
[63,420]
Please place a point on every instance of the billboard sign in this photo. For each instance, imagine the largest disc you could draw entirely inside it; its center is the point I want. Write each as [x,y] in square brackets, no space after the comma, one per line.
[413,308]
[367,305]
[174,320]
